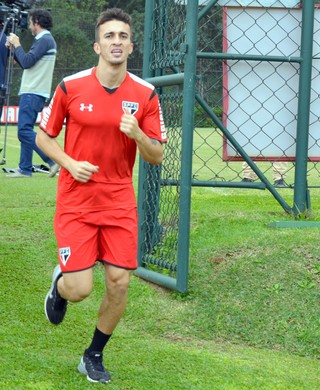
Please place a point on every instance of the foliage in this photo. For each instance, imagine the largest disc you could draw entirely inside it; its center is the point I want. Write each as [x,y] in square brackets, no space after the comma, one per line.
[74,5]
[80,41]
[75,36]
[201,119]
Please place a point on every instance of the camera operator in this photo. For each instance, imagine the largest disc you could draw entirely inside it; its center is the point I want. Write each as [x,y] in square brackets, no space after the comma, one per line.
[3,59]
[3,64]
[35,88]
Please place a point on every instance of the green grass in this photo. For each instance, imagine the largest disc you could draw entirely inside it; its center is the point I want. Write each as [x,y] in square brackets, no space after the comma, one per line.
[250,319]
[208,163]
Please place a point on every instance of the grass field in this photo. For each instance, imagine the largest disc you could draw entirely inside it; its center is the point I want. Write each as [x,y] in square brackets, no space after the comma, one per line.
[250,319]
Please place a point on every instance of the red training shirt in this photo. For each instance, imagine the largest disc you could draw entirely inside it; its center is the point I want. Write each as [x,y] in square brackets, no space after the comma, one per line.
[92,134]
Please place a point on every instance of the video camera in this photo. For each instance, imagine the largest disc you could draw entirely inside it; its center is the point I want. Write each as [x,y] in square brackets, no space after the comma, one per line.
[13,12]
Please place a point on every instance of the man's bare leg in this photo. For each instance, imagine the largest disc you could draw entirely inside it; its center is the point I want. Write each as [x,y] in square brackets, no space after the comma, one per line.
[115,300]
[111,311]
[76,286]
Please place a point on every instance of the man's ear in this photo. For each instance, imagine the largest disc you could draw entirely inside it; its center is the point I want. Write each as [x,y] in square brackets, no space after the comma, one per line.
[96,48]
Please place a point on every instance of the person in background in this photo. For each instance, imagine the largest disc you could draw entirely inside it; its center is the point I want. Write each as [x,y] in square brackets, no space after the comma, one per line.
[3,66]
[279,173]
[109,114]
[35,89]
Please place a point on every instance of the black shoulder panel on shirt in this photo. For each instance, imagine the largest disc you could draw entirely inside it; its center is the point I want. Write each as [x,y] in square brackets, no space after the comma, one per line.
[63,87]
[153,94]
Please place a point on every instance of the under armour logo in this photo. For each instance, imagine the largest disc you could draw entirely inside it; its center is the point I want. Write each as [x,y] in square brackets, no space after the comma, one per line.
[64,253]
[83,107]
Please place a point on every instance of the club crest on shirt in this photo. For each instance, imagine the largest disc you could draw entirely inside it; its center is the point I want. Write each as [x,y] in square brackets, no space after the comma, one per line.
[64,254]
[130,107]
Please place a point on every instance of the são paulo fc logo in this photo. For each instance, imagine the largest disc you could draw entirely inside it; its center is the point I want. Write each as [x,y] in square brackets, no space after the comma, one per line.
[130,107]
[64,254]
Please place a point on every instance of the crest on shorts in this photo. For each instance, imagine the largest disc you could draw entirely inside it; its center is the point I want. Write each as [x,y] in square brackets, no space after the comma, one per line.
[130,107]
[64,254]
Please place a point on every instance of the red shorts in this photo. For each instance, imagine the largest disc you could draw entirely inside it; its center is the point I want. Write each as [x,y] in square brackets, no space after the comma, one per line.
[109,236]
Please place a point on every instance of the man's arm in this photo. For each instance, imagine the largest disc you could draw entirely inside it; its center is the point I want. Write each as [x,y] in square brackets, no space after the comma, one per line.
[80,170]
[150,149]
[37,51]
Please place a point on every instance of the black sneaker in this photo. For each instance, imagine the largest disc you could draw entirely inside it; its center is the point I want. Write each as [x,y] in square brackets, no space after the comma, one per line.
[279,183]
[54,305]
[91,364]
[247,180]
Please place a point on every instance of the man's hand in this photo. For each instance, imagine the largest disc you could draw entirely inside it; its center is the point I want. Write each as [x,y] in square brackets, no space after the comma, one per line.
[130,127]
[13,39]
[82,170]
[150,149]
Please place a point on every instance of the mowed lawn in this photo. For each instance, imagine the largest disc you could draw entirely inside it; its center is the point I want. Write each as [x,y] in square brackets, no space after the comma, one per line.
[250,319]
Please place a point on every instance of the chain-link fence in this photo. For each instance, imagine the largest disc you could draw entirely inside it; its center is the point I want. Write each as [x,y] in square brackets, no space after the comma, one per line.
[252,66]
[159,205]
[256,96]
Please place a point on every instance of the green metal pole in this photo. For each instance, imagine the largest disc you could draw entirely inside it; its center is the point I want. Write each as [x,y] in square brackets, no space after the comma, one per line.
[147,41]
[187,144]
[247,57]
[146,72]
[206,9]
[170,79]
[300,187]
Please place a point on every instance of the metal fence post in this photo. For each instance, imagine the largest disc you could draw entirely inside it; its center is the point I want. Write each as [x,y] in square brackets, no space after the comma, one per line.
[303,119]
[187,144]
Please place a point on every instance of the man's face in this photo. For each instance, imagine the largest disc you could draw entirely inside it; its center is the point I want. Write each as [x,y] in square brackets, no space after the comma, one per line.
[32,27]
[114,44]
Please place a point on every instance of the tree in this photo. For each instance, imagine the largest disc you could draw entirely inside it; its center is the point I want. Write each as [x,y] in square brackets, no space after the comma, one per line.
[73,29]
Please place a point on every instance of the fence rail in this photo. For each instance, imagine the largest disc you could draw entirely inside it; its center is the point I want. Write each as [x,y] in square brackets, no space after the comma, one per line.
[248,105]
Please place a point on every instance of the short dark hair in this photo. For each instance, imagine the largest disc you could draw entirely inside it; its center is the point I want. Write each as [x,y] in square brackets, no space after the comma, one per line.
[112,14]
[42,17]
